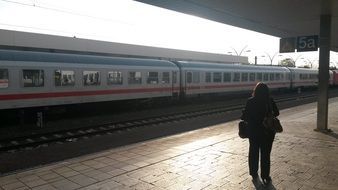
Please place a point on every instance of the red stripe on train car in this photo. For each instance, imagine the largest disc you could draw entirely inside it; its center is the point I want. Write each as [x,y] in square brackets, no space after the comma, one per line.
[233,86]
[79,93]
[116,91]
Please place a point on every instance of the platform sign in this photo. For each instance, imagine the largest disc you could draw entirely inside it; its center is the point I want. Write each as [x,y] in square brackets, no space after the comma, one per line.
[307,43]
[287,45]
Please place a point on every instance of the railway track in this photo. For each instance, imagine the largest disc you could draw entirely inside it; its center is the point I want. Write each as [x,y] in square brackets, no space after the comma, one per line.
[71,135]
[43,140]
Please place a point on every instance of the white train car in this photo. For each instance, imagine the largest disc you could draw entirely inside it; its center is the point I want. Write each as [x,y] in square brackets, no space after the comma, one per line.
[332,77]
[335,77]
[202,78]
[34,79]
[39,79]
[303,77]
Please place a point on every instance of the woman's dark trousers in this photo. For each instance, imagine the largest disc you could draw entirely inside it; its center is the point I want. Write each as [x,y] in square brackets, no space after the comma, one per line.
[264,145]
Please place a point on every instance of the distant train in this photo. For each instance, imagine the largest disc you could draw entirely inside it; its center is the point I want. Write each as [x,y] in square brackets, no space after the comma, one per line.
[40,79]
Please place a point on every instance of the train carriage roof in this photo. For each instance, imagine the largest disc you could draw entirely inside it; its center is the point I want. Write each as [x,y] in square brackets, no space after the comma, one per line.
[29,56]
[203,65]
[303,70]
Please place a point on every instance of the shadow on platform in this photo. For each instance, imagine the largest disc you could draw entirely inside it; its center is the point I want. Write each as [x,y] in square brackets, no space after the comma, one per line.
[332,134]
[328,132]
[259,185]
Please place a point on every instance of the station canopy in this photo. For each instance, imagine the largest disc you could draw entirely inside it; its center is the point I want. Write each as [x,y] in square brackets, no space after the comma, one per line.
[280,18]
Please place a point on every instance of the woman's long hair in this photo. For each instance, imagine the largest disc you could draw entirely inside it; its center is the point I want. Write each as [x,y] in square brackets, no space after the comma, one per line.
[261,92]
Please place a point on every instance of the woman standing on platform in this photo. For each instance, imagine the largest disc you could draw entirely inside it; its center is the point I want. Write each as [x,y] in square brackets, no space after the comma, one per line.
[260,138]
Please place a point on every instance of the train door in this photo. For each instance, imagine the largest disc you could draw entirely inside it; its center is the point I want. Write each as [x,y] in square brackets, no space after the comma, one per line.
[290,77]
[180,79]
[182,85]
[184,82]
[188,81]
[174,84]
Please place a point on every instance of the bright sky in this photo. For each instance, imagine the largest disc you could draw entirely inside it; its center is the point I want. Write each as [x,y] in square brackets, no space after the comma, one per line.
[127,21]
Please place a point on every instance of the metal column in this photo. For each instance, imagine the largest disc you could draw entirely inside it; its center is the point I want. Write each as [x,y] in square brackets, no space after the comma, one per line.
[324,62]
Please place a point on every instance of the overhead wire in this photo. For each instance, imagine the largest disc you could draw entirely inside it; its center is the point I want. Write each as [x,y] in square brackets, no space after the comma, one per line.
[59,32]
[35,28]
[55,31]
[71,12]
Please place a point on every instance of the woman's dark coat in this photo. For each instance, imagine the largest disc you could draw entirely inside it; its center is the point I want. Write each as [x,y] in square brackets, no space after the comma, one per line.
[254,113]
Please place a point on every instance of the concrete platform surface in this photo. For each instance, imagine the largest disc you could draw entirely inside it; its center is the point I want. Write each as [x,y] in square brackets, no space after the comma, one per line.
[209,158]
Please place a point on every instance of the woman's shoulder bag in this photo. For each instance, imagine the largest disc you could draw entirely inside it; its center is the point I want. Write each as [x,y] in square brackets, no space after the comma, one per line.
[243,129]
[271,122]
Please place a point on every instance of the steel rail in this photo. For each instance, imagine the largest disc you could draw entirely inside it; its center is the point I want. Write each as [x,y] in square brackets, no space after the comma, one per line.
[45,139]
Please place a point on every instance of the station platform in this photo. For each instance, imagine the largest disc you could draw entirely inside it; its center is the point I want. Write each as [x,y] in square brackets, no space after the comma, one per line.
[209,158]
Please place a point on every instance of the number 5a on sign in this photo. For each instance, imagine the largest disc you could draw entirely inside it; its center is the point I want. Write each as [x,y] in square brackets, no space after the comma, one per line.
[307,43]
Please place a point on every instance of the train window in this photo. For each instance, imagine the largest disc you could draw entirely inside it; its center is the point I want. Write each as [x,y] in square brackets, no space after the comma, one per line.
[288,76]
[189,77]
[282,76]
[152,78]
[237,77]
[259,76]
[303,76]
[265,76]
[114,78]
[196,77]
[277,76]
[64,78]
[272,76]
[207,77]
[165,78]
[313,76]
[91,78]
[33,78]
[244,77]
[174,77]
[135,77]
[3,78]
[217,77]
[226,77]
[252,77]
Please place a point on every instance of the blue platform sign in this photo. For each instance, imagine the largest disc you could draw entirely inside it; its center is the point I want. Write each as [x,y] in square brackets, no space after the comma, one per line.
[307,43]
[287,45]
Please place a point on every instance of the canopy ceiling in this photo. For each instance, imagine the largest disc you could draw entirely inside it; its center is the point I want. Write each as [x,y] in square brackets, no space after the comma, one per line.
[281,18]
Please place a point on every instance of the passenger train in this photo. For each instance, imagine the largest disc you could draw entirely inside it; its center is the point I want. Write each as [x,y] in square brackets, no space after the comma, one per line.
[40,79]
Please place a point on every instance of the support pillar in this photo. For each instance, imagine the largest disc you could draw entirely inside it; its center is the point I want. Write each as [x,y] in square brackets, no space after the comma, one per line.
[323,77]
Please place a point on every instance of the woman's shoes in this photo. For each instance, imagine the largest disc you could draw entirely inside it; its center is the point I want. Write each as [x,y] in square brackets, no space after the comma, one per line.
[266,181]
